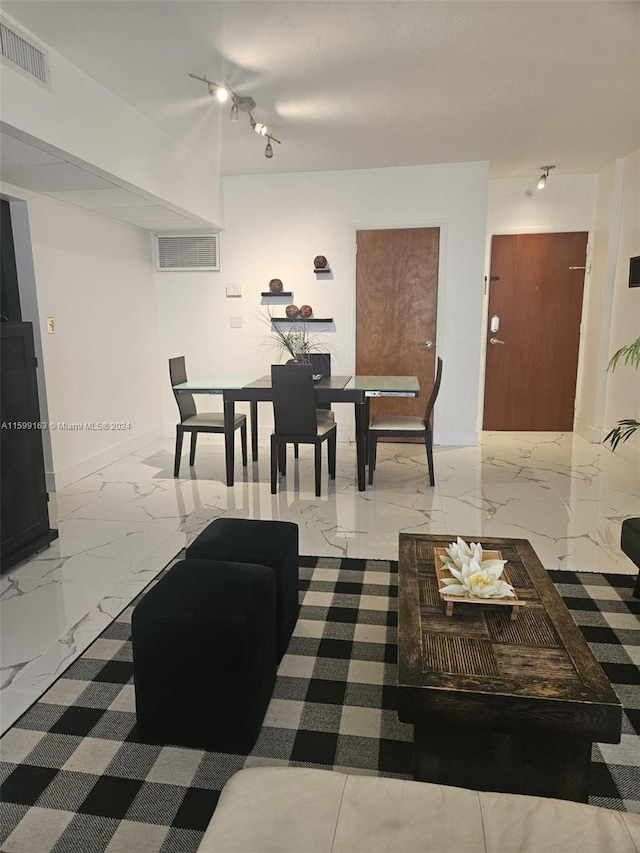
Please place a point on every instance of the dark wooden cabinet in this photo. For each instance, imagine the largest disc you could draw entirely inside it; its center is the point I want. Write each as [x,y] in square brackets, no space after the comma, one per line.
[24,514]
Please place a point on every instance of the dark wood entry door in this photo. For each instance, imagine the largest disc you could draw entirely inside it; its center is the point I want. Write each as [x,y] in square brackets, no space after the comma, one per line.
[396,302]
[531,366]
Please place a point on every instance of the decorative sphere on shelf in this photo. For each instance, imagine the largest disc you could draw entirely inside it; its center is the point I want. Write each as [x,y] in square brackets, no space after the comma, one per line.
[306,311]
[275,285]
[292,311]
[319,262]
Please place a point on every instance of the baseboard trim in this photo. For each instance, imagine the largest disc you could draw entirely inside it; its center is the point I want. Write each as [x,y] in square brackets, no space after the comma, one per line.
[64,477]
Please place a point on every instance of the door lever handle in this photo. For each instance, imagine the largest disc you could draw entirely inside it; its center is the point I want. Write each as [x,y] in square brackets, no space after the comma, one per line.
[428,345]
[495,341]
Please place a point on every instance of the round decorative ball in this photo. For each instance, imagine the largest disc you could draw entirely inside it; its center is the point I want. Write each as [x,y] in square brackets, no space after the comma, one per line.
[292,311]
[275,285]
[319,262]
[306,311]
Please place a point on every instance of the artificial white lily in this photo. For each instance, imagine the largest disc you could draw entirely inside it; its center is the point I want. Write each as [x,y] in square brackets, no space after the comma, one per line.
[460,553]
[471,576]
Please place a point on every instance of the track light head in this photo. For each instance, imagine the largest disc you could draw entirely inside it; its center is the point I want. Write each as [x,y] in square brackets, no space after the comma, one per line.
[268,151]
[542,180]
[234,115]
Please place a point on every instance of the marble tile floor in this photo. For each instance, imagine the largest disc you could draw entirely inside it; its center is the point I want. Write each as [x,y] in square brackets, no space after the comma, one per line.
[120,526]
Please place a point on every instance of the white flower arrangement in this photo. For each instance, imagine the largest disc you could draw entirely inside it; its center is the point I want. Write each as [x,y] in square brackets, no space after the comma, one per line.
[471,576]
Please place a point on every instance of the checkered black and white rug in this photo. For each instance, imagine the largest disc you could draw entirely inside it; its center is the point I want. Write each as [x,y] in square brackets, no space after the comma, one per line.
[77,779]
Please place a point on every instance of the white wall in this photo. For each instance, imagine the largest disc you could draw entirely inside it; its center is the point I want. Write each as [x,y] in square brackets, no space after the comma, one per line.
[623,385]
[613,319]
[276,225]
[84,119]
[94,277]
[566,204]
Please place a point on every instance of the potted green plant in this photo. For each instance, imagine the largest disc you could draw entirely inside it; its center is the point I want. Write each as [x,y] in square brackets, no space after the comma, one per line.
[625,428]
[291,339]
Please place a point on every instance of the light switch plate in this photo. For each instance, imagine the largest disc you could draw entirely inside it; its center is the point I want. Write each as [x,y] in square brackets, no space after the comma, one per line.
[233,288]
[235,322]
[51,325]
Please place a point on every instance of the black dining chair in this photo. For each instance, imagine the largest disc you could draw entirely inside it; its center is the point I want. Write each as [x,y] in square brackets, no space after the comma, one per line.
[194,422]
[296,420]
[321,364]
[406,426]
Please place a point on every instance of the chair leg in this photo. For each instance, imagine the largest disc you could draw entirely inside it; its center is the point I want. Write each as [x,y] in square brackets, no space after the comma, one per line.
[332,454]
[428,440]
[192,450]
[243,442]
[282,458]
[373,441]
[318,466]
[275,449]
[295,451]
[176,461]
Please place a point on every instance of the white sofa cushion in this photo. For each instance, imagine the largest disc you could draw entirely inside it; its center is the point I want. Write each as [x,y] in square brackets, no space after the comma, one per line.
[300,810]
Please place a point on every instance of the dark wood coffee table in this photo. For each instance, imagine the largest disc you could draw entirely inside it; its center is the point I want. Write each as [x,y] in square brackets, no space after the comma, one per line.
[498,704]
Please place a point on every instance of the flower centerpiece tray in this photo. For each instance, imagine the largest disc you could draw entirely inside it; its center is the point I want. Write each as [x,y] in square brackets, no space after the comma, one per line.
[444,576]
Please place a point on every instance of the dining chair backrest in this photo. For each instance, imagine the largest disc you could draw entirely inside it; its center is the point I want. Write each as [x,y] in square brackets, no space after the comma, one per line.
[321,363]
[294,402]
[178,375]
[428,412]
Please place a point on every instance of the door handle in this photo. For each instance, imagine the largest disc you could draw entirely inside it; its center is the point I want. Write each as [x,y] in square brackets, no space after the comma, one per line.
[428,345]
[495,341]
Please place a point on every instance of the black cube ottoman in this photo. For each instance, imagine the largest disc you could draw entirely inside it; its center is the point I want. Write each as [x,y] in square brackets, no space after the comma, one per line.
[205,656]
[266,543]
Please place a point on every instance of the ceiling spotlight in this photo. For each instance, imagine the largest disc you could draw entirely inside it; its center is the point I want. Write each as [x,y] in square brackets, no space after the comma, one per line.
[268,151]
[542,180]
[234,115]
[222,94]
[260,128]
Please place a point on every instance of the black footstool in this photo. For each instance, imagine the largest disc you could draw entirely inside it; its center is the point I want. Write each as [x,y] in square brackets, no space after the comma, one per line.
[266,543]
[204,655]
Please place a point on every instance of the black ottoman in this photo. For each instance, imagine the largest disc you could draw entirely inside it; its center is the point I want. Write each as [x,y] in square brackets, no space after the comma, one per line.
[630,544]
[204,655]
[267,543]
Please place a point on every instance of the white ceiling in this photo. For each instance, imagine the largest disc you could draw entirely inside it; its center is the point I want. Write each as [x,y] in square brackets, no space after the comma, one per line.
[368,84]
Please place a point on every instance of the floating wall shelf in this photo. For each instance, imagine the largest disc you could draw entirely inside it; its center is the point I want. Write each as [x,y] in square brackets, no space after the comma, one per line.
[322,269]
[302,320]
[267,293]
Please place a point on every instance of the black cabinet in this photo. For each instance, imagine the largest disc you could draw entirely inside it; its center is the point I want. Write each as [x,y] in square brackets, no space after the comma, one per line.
[23,492]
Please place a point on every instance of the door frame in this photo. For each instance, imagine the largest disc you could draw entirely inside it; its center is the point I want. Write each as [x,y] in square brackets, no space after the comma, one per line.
[377,225]
[485,303]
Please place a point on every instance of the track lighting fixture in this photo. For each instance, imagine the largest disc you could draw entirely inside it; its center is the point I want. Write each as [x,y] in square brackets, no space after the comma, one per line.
[542,180]
[222,92]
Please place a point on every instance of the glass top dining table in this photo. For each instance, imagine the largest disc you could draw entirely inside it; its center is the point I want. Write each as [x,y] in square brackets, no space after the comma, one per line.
[330,389]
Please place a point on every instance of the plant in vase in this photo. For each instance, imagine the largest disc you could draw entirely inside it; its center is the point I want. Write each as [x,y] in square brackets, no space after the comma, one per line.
[291,339]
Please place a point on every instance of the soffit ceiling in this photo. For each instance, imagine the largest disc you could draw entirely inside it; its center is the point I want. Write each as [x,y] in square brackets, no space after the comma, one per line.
[352,85]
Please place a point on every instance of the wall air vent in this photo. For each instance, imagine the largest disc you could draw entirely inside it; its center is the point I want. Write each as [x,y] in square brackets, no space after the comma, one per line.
[179,252]
[24,54]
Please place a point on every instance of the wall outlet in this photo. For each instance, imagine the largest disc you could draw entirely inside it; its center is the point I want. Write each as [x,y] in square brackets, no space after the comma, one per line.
[233,289]
[51,326]
[235,322]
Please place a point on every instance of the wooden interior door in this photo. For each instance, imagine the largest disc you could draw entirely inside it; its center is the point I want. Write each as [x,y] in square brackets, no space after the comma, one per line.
[531,368]
[396,302]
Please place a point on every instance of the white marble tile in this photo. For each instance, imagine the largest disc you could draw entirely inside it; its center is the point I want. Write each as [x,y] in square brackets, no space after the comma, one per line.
[120,526]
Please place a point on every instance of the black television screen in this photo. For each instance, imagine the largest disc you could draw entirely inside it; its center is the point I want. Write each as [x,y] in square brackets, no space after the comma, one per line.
[634,272]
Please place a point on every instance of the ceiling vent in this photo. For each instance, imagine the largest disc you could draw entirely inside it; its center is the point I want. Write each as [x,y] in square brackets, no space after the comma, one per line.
[180,252]
[24,54]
